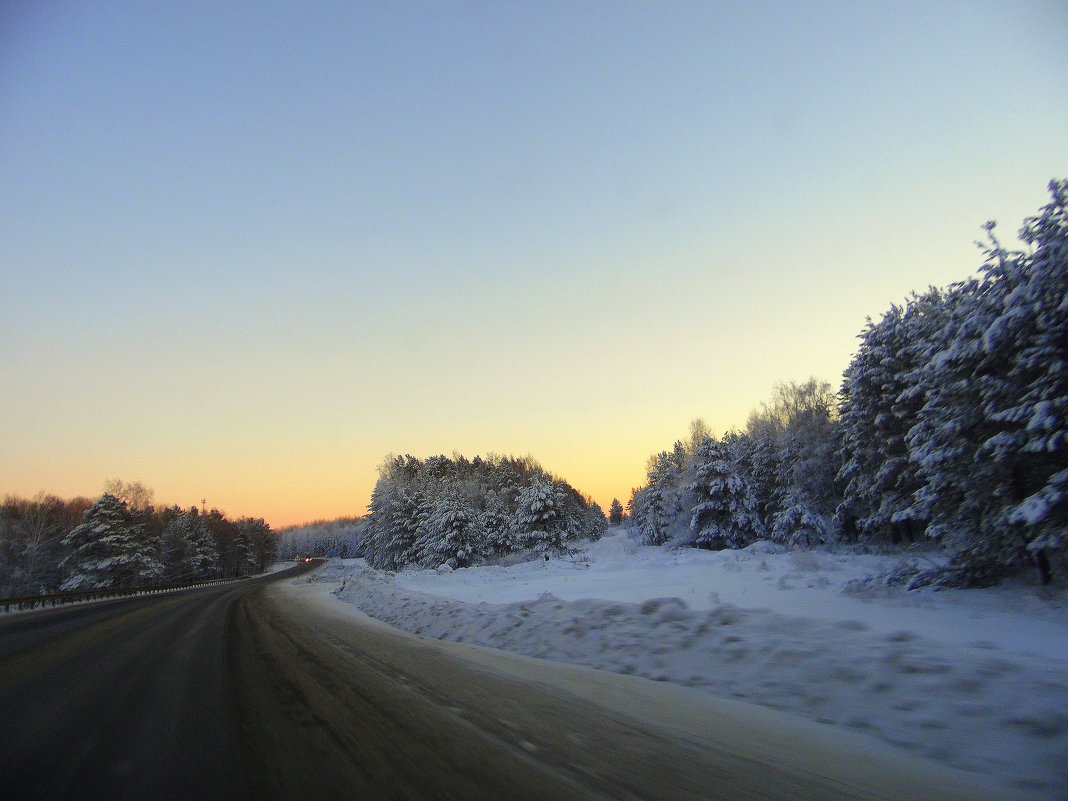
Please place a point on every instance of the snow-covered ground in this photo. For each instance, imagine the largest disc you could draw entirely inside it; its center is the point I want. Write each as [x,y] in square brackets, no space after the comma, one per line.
[977,679]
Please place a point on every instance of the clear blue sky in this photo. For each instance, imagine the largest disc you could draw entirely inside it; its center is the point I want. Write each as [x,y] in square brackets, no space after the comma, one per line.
[249,248]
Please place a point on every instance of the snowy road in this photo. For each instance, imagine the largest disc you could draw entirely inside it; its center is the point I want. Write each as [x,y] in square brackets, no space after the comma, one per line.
[274,690]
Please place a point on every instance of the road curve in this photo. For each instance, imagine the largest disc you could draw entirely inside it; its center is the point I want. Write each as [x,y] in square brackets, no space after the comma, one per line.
[265,691]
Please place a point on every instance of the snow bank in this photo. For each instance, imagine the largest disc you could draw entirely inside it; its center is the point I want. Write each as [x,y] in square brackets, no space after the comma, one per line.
[975,708]
[766,576]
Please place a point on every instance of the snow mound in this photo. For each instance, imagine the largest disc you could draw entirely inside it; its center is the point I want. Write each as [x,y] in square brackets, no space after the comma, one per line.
[611,548]
[974,707]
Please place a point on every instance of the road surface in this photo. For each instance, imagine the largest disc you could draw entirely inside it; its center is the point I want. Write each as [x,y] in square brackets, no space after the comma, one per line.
[268,690]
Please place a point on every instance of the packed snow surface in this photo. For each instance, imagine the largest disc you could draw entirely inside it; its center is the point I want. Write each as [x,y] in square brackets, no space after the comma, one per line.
[974,678]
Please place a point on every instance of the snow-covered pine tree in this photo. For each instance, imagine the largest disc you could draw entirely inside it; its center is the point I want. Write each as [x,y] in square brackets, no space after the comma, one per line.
[174,547]
[991,436]
[242,555]
[739,449]
[452,535]
[1024,384]
[799,523]
[960,492]
[410,513]
[765,479]
[204,560]
[497,524]
[615,513]
[187,549]
[540,521]
[868,389]
[398,509]
[882,392]
[109,550]
[658,506]
[591,523]
[724,515]
[378,523]
[264,542]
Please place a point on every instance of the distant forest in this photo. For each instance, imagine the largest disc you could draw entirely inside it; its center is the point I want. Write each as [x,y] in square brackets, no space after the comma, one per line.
[951,425]
[51,545]
[342,538]
[457,512]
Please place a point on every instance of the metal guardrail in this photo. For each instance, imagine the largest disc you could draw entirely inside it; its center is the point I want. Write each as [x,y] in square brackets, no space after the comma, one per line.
[61,598]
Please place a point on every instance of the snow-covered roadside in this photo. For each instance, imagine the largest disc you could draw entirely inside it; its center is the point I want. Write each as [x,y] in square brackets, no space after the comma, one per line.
[997,706]
[764,576]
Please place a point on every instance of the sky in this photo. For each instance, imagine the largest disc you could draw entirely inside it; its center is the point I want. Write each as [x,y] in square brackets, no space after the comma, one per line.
[249,249]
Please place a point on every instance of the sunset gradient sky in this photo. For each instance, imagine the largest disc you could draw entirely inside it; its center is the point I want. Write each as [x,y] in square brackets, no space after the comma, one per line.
[247,249]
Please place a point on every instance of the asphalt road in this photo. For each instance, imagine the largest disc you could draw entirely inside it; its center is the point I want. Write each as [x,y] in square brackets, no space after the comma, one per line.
[263,691]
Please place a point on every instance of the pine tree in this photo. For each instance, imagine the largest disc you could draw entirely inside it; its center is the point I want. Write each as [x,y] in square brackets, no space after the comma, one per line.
[949,425]
[1025,388]
[187,549]
[658,506]
[175,549]
[615,513]
[109,549]
[591,523]
[799,524]
[724,515]
[539,519]
[990,436]
[380,524]
[203,552]
[883,391]
[242,553]
[261,539]
[409,518]
[452,535]
[766,466]
[496,523]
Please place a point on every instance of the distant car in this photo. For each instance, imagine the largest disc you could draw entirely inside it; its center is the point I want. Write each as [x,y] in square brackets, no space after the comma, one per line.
[307,558]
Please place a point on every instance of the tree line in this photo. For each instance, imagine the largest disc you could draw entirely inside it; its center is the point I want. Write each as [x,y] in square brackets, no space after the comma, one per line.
[50,545]
[773,481]
[342,538]
[951,424]
[435,511]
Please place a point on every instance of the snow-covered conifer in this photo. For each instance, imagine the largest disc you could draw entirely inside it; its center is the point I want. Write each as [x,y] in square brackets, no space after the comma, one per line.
[242,552]
[187,549]
[724,515]
[497,525]
[766,476]
[882,392]
[109,549]
[453,534]
[990,437]
[410,513]
[203,552]
[539,520]
[658,506]
[1025,384]
[798,523]
[591,523]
